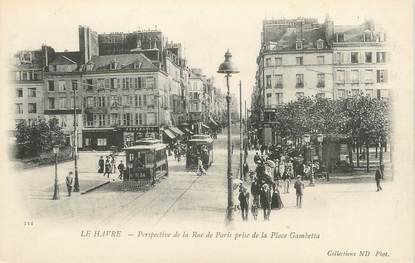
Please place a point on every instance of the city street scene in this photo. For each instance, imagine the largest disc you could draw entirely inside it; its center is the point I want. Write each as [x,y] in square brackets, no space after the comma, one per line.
[135,129]
[152,138]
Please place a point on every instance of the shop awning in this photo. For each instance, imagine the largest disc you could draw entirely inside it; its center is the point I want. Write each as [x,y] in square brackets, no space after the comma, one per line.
[176,130]
[188,131]
[169,134]
[214,123]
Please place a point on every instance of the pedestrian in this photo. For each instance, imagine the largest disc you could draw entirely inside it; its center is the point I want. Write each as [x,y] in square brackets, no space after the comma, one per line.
[276,202]
[107,167]
[69,181]
[255,191]
[113,163]
[245,170]
[101,164]
[200,169]
[121,169]
[299,186]
[257,158]
[378,176]
[244,202]
[265,199]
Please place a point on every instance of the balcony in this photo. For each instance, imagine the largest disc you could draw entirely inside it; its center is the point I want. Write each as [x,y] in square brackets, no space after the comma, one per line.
[299,85]
[321,84]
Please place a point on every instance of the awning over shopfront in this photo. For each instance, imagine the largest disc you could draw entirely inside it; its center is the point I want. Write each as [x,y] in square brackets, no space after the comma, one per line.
[188,131]
[176,130]
[169,134]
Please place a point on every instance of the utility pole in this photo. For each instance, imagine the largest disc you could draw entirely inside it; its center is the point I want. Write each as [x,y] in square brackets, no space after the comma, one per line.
[75,142]
[241,152]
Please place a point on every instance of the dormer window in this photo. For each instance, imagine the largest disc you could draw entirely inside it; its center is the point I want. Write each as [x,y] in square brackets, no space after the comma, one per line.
[367,36]
[340,37]
[320,44]
[114,65]
[137,65]
[299,45]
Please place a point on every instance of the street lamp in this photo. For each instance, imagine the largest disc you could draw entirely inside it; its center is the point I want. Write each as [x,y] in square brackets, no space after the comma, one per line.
[306,139]
[56,195]
[75,137]
[320,142]
[228,68]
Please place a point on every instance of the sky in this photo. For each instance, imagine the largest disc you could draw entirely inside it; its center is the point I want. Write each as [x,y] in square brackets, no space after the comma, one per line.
[206,29]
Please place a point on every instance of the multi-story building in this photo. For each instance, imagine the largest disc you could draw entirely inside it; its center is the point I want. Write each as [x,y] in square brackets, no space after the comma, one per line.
[62,76]
[301,57]
[360,61]
[27,76]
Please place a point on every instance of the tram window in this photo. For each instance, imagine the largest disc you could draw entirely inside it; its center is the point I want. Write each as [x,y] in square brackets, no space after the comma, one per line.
[149,158]
[131,157]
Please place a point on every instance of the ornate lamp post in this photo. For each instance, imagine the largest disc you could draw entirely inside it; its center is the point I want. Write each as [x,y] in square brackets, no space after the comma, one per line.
[56,195]
[320,144]
[228,68]
[306,139]
[75,142]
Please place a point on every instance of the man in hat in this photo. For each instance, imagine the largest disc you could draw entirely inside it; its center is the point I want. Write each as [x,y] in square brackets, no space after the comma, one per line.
[244,202]
[200,169]
[69,181]
[121,169]
[299,186]
[265,199]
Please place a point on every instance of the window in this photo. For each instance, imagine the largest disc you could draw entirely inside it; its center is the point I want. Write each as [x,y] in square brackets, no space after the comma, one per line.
[368,57]
[340,76]
[62,103]
[337,58]
[51,103]
[150,83]
[299,95]
[342,93]
[90,102]
[354,57]
[87,141]
[299,60]
[384,93]
[101,101]
[299,45]
[278,61]
[124,83]
[321,80]
[74,84]
[126,119]
[269,97]
[89,85]
[367,36]
[107,83]
[299,80]
[31,108]
[279,98]
[320,60]
[135,100]
[69,102]
[19,93]
[37,75]
[139,101]
[114,119]
[140,119]
[279,81]
[267,62]
[381,76]
[355,76]
[340,37]
[151,118]
[51,85]
[320,44]
[380,57]
[18,108]
[25,75]
[368,76]
[144,100]
[100,120]
[268,79]
[101,141]
[113,83]
[62,85]
[138,83]
[100,83]
[125,100]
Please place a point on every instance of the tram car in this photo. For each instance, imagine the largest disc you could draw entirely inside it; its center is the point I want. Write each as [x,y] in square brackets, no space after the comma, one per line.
[146,163]
[199,146]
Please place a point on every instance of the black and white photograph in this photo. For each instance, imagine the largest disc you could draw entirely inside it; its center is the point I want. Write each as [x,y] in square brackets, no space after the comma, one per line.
[211,131]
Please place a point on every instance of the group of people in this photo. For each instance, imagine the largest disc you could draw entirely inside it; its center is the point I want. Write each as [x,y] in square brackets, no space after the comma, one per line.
[108,166]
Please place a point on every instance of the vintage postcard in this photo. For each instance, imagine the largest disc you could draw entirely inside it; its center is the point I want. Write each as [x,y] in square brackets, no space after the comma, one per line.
[211,131]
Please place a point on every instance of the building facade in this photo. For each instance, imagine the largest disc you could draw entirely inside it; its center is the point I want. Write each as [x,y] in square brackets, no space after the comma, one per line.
[302,57]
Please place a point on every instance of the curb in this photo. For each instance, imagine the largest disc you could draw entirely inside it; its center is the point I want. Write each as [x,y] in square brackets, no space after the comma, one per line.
[94,187]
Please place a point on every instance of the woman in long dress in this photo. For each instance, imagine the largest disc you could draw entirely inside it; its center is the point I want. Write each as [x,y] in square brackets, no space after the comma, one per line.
[276,202]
